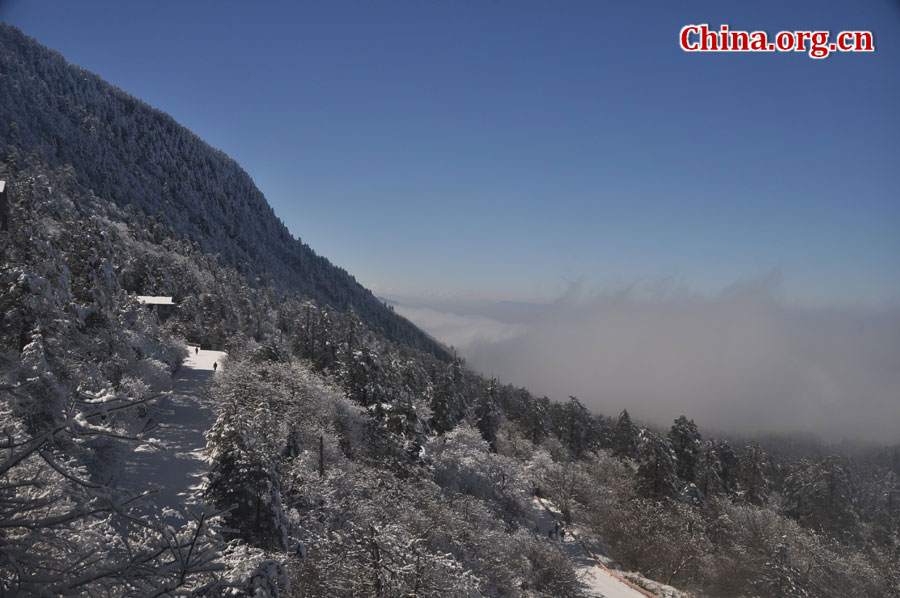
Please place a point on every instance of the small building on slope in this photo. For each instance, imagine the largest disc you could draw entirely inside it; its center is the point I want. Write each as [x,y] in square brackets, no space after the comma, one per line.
[163,306]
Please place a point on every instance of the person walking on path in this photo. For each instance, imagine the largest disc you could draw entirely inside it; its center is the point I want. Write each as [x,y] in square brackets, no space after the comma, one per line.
[215,365]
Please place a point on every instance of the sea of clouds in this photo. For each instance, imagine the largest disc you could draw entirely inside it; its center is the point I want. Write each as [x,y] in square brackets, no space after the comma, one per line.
[741,360]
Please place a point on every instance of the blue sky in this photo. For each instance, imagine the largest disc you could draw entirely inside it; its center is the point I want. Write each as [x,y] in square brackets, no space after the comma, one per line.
[505,149]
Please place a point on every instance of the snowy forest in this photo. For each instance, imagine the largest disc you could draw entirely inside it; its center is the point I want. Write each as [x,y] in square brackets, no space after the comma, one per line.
[348,454]
[140,158]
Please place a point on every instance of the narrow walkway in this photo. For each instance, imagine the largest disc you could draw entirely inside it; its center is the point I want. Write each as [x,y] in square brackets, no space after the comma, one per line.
[175,469]
[598,579]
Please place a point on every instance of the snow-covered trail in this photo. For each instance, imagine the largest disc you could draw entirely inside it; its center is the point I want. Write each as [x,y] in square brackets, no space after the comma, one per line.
[599,582]
[175,470]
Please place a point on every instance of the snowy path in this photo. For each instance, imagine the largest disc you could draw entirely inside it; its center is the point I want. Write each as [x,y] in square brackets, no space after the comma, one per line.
[598,581]
[176,469]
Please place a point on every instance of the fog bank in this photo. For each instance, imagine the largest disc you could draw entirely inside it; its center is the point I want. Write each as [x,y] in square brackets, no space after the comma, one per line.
[740,361]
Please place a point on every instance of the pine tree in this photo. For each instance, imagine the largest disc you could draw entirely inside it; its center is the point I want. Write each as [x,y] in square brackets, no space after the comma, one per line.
[886,516]
[779,578]
[574,426]
[533,414]
[362,376]
[487,415]
[244,475]
[625,441]
[753,480]
[448,406]
[709,470]
[685,440]
[731,467]
[821,496]
[656,476]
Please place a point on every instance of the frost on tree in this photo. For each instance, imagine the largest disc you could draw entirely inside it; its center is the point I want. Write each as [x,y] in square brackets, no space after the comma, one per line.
[625,438]
[656,475]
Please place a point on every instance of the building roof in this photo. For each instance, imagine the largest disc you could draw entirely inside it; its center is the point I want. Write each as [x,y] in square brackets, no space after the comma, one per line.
[2,186]
[148,300]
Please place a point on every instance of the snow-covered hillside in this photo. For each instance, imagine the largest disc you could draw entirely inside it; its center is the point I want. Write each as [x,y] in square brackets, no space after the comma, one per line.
[598,579]
[172,463]
[330,456]
[141,159]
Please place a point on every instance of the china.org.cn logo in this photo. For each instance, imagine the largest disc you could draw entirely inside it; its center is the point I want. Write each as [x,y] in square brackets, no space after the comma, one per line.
[818,44]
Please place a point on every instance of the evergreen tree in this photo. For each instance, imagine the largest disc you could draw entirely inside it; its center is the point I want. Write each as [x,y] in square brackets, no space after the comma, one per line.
[730,467]
[245,472]
[753,479]
[448,406]
[362,377]
[533,414]
[821,496]
[656,476]
[574,425]
[625,441]
[780,578]
[886,515]
[487,416]
[709,470]
[685,440]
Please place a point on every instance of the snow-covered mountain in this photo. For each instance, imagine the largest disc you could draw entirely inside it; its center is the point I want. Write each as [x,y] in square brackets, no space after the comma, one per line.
[321,453]
[139,158]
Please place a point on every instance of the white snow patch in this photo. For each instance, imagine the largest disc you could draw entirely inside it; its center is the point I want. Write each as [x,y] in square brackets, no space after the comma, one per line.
[598,582]
[176,470]
[203,360]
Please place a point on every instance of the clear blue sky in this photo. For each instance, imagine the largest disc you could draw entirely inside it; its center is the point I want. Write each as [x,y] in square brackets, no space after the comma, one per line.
[501,149]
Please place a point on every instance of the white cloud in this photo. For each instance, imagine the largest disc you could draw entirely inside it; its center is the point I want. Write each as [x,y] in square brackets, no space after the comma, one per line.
[741,361]
[461,331]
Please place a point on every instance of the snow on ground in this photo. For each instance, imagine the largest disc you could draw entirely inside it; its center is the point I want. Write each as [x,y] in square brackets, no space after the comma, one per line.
[176,470]
[203,360]
[598,581]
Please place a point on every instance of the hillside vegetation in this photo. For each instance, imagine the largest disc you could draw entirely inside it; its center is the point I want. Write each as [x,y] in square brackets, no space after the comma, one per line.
[350,455]
[141,160]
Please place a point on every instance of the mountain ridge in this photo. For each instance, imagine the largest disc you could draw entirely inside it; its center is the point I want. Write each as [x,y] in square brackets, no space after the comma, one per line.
[142,160]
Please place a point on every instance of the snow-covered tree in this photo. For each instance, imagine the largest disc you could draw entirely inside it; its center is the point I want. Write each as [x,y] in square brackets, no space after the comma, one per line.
[575,426]
[709,470]
[625,440]
[245,461]
[730,467]
[656,475]
[487,414]
[685,441]
[449,404]
[753,479]
[821,496]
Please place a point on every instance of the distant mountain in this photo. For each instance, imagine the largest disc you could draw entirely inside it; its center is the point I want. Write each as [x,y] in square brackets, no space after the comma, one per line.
[141,159]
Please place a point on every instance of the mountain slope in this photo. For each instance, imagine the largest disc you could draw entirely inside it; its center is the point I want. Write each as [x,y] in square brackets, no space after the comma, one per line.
[139,157]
